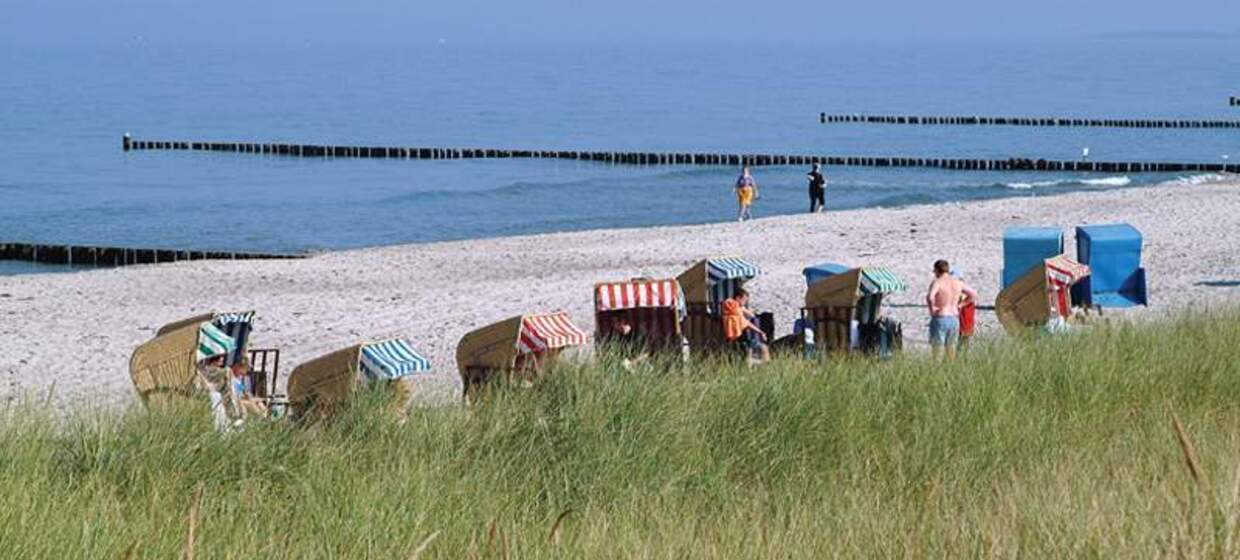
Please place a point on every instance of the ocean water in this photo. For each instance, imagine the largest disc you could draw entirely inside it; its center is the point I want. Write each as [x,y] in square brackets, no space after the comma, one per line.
[64,178]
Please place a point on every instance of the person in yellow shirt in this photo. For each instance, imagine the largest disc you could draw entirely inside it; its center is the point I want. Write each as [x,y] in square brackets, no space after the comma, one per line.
[738,325]
[746,190]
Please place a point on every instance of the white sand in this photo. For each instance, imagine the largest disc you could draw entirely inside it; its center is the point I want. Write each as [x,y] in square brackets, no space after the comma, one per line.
[76,331]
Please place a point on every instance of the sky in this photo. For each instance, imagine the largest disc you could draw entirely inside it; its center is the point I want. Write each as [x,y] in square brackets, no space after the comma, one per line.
[396,22]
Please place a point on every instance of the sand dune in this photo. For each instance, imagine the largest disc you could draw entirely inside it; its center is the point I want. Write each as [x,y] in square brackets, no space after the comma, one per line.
[72,334]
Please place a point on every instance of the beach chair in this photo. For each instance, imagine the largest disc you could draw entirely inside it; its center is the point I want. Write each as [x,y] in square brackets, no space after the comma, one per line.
[264,362]
[1116,278]
[163,369]
[843,310]
[517,349]
[1040,298]
[706,285]
[1024,248]
[654,308]
[318,388]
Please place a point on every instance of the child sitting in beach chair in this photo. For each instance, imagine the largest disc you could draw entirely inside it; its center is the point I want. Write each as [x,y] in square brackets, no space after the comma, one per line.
[216,380]
[248,404]
[739,327]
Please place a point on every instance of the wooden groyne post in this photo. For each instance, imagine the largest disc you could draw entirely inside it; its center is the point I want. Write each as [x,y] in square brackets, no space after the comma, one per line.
[974,120]
[94,256]
[687,158]
[1234,101]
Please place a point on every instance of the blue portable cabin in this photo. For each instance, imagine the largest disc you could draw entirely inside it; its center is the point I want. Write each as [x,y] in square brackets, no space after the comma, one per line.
[1113,253]
[1025,248]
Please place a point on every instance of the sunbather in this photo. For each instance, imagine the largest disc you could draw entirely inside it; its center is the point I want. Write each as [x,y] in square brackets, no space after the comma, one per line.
[215,379]
[627,342]
[248,403]
[739,326]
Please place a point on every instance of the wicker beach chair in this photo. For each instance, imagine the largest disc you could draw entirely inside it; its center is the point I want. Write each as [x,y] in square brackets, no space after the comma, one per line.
[1041,296]
[516,349]
[837,297]
[163,369]
[654,309]
[160,368]
[318,388]
[706,285]
[264,362]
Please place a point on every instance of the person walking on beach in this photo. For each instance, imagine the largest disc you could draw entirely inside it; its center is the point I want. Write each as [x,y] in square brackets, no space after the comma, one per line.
[817,189]
[746,190]
[944,299]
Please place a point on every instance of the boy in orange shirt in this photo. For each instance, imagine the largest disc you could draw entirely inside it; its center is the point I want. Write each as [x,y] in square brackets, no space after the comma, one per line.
[738,325]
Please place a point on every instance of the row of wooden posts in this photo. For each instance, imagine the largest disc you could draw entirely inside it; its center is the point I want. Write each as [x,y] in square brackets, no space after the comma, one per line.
[1234,101]
[116,256]
[648,158]
[1029,121]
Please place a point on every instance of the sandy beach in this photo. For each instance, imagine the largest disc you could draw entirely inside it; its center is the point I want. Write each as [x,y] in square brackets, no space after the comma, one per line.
[71,335]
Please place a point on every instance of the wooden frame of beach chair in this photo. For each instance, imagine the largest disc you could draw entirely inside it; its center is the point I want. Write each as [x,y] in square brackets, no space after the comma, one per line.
[163,368]
[512,349]
[831,304]
[322,384]
[265,372]
[318,388]
[652,307]
[264,362]
[215,317]
[195,320]
[703,325]
[1041,294]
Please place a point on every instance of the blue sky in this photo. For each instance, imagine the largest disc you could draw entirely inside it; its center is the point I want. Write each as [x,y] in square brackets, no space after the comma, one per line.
[615,21]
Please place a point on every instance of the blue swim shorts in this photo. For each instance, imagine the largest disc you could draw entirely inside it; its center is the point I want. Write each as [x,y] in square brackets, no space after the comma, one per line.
[944,331]
[752,341]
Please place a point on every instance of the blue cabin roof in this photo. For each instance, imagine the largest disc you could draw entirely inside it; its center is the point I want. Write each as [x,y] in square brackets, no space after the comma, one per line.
[1025,247]
[825,270]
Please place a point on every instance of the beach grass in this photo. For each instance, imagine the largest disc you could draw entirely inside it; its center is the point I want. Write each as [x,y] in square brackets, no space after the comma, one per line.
[1120,442]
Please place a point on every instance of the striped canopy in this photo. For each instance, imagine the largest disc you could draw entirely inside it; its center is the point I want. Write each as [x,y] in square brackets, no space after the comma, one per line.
[879,280]
[238,326]
[1061,274]
[725,275]
[1063,271]
[544,332]
[730,268]
[213,342]
[636,294]
[221,319]
[392,359]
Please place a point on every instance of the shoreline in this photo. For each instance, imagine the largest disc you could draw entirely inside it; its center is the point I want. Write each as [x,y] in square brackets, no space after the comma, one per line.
[1011,188]
[75,332]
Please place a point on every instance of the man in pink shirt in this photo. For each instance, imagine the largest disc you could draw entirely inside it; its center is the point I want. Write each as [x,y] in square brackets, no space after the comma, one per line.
[947,294]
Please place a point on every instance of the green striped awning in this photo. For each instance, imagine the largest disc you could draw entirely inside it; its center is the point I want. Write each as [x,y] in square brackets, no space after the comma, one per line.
[213,342]
[879,280]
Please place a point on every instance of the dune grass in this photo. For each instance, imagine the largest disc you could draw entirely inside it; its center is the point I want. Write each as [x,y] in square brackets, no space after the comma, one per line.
[1064,447]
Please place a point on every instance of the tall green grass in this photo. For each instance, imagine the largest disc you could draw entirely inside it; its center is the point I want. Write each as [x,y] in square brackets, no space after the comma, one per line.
[1060,447]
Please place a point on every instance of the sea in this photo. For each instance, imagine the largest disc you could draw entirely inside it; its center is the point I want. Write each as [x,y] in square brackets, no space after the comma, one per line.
[65,180]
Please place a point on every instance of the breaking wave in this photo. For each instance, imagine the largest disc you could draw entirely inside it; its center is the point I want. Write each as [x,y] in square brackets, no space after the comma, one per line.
[1118,181]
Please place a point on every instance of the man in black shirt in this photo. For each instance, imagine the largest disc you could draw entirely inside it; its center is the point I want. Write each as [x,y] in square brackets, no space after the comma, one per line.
[817,190]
